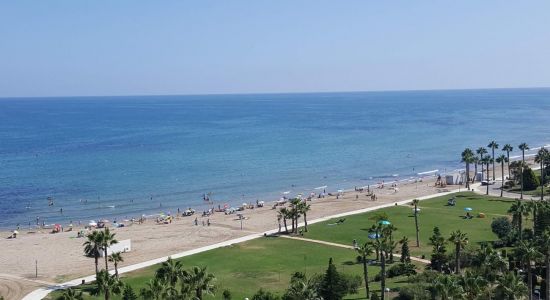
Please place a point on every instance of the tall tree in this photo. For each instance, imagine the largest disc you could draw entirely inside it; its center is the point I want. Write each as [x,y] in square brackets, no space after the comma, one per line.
[528,254]
[460,240]
[510,287]
[439,257]
[333,285]
[508,148]
[92,246]
[200,281]
[107,285]
[486,160]
[481,151]
[303,208]
[542,157]
[415,203]
[405,252]
[493,145]
[519,210]
[364,251]
[155,289]
[501,160]
[468,158]
[107,240]
[170,271]
[523,147]
[115,258]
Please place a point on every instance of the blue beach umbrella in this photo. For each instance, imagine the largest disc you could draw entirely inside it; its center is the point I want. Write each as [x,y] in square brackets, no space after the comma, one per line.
[373,236]
[384,222]
[468,209]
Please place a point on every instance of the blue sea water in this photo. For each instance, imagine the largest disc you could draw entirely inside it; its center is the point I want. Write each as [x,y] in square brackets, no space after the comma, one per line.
[106,157]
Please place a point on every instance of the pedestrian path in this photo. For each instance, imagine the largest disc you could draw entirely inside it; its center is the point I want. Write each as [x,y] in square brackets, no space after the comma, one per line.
[420,260]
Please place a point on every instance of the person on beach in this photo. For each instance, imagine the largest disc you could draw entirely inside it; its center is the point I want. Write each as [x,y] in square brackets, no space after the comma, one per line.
[196,222]
[208,222]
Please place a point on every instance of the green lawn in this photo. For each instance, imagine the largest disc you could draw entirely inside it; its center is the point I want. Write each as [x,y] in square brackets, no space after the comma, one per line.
[265,262]
[269,262]
[434,212]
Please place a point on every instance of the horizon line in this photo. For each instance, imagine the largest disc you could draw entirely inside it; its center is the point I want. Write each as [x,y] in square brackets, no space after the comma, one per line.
[277,93]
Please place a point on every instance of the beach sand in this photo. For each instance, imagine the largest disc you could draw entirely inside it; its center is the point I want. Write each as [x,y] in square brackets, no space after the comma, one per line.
[59,257]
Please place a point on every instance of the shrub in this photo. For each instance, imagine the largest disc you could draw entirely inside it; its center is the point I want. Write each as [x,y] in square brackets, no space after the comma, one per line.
[352,283]
[226,295]
[374,296]
[401,269]
[265,295]
[530,180]
[501,226]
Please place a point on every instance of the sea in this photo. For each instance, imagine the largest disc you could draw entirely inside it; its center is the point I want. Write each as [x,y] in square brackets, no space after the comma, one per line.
[88,158]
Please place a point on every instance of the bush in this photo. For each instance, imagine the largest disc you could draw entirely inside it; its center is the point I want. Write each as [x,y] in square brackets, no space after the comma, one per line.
[374,296]
[413,292]
[265,295]
[401,269]
[530,180]
[226,295]
[352,283]
[502,227]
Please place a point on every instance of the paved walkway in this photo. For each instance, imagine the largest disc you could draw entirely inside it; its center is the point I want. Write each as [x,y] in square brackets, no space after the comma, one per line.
[424,261]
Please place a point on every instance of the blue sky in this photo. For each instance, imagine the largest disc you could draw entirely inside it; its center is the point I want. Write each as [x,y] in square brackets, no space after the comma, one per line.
[59,48]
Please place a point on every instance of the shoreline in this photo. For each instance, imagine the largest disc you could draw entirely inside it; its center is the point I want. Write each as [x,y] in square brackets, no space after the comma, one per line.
[151,241]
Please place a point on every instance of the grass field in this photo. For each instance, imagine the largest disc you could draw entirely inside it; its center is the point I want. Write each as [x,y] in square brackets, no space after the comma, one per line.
[434,212]
[269,262]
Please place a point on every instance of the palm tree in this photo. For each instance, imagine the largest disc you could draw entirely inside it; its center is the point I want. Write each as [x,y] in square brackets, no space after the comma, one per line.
[510,287]
[468,158]
[115,258]
[384,248]
[303,289]
[107,285]
[71,294]
[284,212]
[170,271]
[528,253]
[107,240]
[447,286]
[493,145]
[304,208]
[155,289]
[364,251]
[200,281]
[501,160]
[486,161]
[481,152]
[519,210]
[508,148]
[415,203]
[542,157]
[473,285]
[460,240]
[92,246]
[523,147]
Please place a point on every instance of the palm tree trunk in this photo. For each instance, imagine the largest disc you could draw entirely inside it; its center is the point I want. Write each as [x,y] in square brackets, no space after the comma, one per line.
[286,227]
[116,270]
[468,176]
[475,172]
[493,163]
[457,259]
[106,259]
[107,294]
[366,275]
[96,257]
[487,193]
[509,174]
[502,185]
[383,277]
[530,281]
[305,221]
[523,162]
[416,224]
[542,179]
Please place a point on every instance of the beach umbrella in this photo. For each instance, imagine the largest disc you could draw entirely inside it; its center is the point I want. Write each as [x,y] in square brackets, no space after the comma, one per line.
[384,222]
[261,202]
[16,232]
[373,236]
[468,209]
[92,223]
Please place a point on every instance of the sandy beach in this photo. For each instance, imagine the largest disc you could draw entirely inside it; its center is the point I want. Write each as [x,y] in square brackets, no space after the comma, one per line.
[59,257]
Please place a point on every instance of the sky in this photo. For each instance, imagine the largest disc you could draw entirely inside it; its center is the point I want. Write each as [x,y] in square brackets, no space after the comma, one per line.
[133,47]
